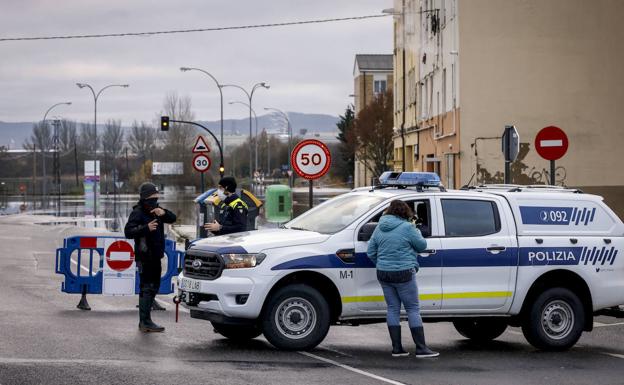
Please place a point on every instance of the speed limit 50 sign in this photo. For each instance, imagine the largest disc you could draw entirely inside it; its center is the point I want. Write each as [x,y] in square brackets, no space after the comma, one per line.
[310,159]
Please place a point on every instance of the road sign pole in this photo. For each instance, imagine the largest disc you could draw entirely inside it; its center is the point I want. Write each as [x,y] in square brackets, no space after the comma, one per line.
[310,193]
[202,182]
[507,172]
[552,172]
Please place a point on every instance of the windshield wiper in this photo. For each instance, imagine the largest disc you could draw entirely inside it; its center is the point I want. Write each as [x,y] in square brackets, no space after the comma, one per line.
[298,228]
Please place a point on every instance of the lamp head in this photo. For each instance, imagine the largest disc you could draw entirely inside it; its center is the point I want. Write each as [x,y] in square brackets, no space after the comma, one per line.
[81,85]
[184,69]
[125,85]
[263,84]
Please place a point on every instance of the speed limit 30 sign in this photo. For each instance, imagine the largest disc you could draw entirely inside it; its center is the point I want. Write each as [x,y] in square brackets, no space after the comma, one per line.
[201,163]
[310,159]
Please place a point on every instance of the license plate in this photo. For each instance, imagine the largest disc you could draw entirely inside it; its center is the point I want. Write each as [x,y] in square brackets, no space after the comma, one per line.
[189,284]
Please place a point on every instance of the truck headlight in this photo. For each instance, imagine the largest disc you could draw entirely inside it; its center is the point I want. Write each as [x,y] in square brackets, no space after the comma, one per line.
[241,261]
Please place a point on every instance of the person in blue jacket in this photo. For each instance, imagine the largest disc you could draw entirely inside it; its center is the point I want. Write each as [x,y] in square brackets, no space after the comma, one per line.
[394,248]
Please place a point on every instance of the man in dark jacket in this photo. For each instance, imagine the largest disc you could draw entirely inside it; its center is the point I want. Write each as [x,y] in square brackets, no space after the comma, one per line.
[146,226]
[232,210]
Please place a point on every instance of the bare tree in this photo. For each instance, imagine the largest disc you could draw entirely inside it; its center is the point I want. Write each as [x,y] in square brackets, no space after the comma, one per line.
[41,137]
[87,138]
[141,139]
[373,130]
[67,135]
[112,140]
[180,137]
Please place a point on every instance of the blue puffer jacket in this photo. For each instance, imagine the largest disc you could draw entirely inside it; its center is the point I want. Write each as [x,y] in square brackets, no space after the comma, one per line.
[395,244]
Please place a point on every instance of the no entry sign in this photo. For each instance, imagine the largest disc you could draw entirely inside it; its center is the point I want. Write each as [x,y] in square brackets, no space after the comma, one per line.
[311,159]
[120,255]
[551,143]
[119,270]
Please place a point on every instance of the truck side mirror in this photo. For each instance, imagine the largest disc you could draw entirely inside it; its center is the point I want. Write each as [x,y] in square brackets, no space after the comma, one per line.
[366,231]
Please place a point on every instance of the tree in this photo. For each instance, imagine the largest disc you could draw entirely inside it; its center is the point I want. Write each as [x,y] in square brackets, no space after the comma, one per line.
[141,139]
[373,130]
[67,135]
[41,137]
[180,137]
[87,139]
[348,142]
[112,145]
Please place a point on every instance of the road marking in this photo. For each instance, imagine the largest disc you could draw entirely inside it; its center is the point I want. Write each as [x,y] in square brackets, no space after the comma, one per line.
[615,355]
[600,324]
[551,143]
[352,369]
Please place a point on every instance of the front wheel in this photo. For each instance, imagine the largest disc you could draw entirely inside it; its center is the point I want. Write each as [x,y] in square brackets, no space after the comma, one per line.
[480,329]
[555,320]
[237,332]
[296,317]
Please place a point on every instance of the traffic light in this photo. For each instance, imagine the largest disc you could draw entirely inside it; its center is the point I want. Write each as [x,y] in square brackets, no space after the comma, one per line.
[164,123]
[221,170]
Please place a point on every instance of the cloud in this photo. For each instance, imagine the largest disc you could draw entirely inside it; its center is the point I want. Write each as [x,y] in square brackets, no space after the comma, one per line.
[309,67]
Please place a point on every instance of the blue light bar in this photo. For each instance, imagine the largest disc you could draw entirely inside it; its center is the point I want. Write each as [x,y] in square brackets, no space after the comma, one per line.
[425,179]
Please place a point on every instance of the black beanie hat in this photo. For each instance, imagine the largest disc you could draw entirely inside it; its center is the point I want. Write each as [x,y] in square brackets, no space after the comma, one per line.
[147,189]
[228,183]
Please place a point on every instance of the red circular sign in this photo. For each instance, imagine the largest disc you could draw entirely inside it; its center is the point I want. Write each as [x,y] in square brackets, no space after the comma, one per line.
[201,163]
[551,143]
[120,255]
[310,159]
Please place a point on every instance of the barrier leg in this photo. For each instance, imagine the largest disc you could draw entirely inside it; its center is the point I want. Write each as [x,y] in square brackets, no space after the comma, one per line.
[83,304]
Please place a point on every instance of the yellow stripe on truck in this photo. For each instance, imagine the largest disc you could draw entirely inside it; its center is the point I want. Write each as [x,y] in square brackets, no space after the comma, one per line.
[434,297]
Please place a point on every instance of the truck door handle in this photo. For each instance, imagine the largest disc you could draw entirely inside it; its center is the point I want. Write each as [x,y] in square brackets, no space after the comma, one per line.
[539,240]
[496,248]
[426,253]
[573,240]
[607,241]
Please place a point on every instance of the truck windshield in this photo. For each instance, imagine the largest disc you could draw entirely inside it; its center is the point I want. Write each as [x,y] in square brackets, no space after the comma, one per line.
[335,214]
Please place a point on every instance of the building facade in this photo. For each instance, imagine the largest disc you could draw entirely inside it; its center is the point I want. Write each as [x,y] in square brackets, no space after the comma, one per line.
[372,75]
[484,64]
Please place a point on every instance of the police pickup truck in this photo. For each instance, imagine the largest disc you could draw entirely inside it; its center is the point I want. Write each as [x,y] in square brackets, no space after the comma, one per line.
[546,259]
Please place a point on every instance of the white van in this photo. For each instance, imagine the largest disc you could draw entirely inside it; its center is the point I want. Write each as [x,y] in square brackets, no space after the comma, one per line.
[546,259]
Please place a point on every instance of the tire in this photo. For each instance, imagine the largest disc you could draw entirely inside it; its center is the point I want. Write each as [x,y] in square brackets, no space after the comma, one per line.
[555,320]
[237,332]
[481,329]
[296,317]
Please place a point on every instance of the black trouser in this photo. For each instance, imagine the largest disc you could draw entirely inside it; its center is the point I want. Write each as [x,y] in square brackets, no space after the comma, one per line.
[149,277]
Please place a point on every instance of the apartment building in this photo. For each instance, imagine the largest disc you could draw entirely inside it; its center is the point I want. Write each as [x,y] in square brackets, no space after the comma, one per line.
[482,64]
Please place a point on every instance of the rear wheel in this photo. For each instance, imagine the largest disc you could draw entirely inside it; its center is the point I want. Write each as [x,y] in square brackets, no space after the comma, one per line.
[480,329]
[296,317]
[555,320]
[237,332]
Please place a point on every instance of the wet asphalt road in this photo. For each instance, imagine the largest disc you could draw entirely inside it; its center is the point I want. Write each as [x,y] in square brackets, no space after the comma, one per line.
[44,339]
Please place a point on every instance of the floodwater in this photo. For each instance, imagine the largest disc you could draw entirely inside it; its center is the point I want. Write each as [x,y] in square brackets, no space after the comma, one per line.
[113,210]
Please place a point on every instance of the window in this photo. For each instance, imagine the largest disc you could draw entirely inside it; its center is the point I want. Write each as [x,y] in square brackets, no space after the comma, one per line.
[470,218]
[379,86]
[335,214]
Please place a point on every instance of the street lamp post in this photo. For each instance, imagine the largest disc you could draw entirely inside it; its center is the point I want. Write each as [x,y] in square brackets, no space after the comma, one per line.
[44,190]
[95,100]
[289,127]
[250,97]
[219,86]
[256,123]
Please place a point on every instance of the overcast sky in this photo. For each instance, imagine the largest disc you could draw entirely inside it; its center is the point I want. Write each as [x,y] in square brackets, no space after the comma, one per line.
[309,67]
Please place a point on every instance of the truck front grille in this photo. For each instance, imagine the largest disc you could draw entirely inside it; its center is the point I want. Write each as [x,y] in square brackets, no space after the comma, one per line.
[202,265]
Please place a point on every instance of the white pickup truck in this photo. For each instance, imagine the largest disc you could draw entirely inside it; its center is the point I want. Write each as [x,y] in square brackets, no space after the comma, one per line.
[545,259]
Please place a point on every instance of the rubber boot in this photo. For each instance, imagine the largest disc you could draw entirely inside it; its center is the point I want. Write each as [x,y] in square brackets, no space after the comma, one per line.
[422,351]
[395,337]
[156,306]
[145,320]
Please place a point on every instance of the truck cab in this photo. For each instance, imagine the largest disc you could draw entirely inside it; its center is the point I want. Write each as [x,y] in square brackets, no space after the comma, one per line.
[541,258]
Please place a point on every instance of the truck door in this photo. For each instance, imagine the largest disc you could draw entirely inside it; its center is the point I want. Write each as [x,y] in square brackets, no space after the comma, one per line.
[370,296]
[479,254]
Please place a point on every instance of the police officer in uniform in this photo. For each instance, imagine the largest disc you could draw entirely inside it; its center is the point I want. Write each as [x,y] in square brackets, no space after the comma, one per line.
[232,211]
[146,226]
